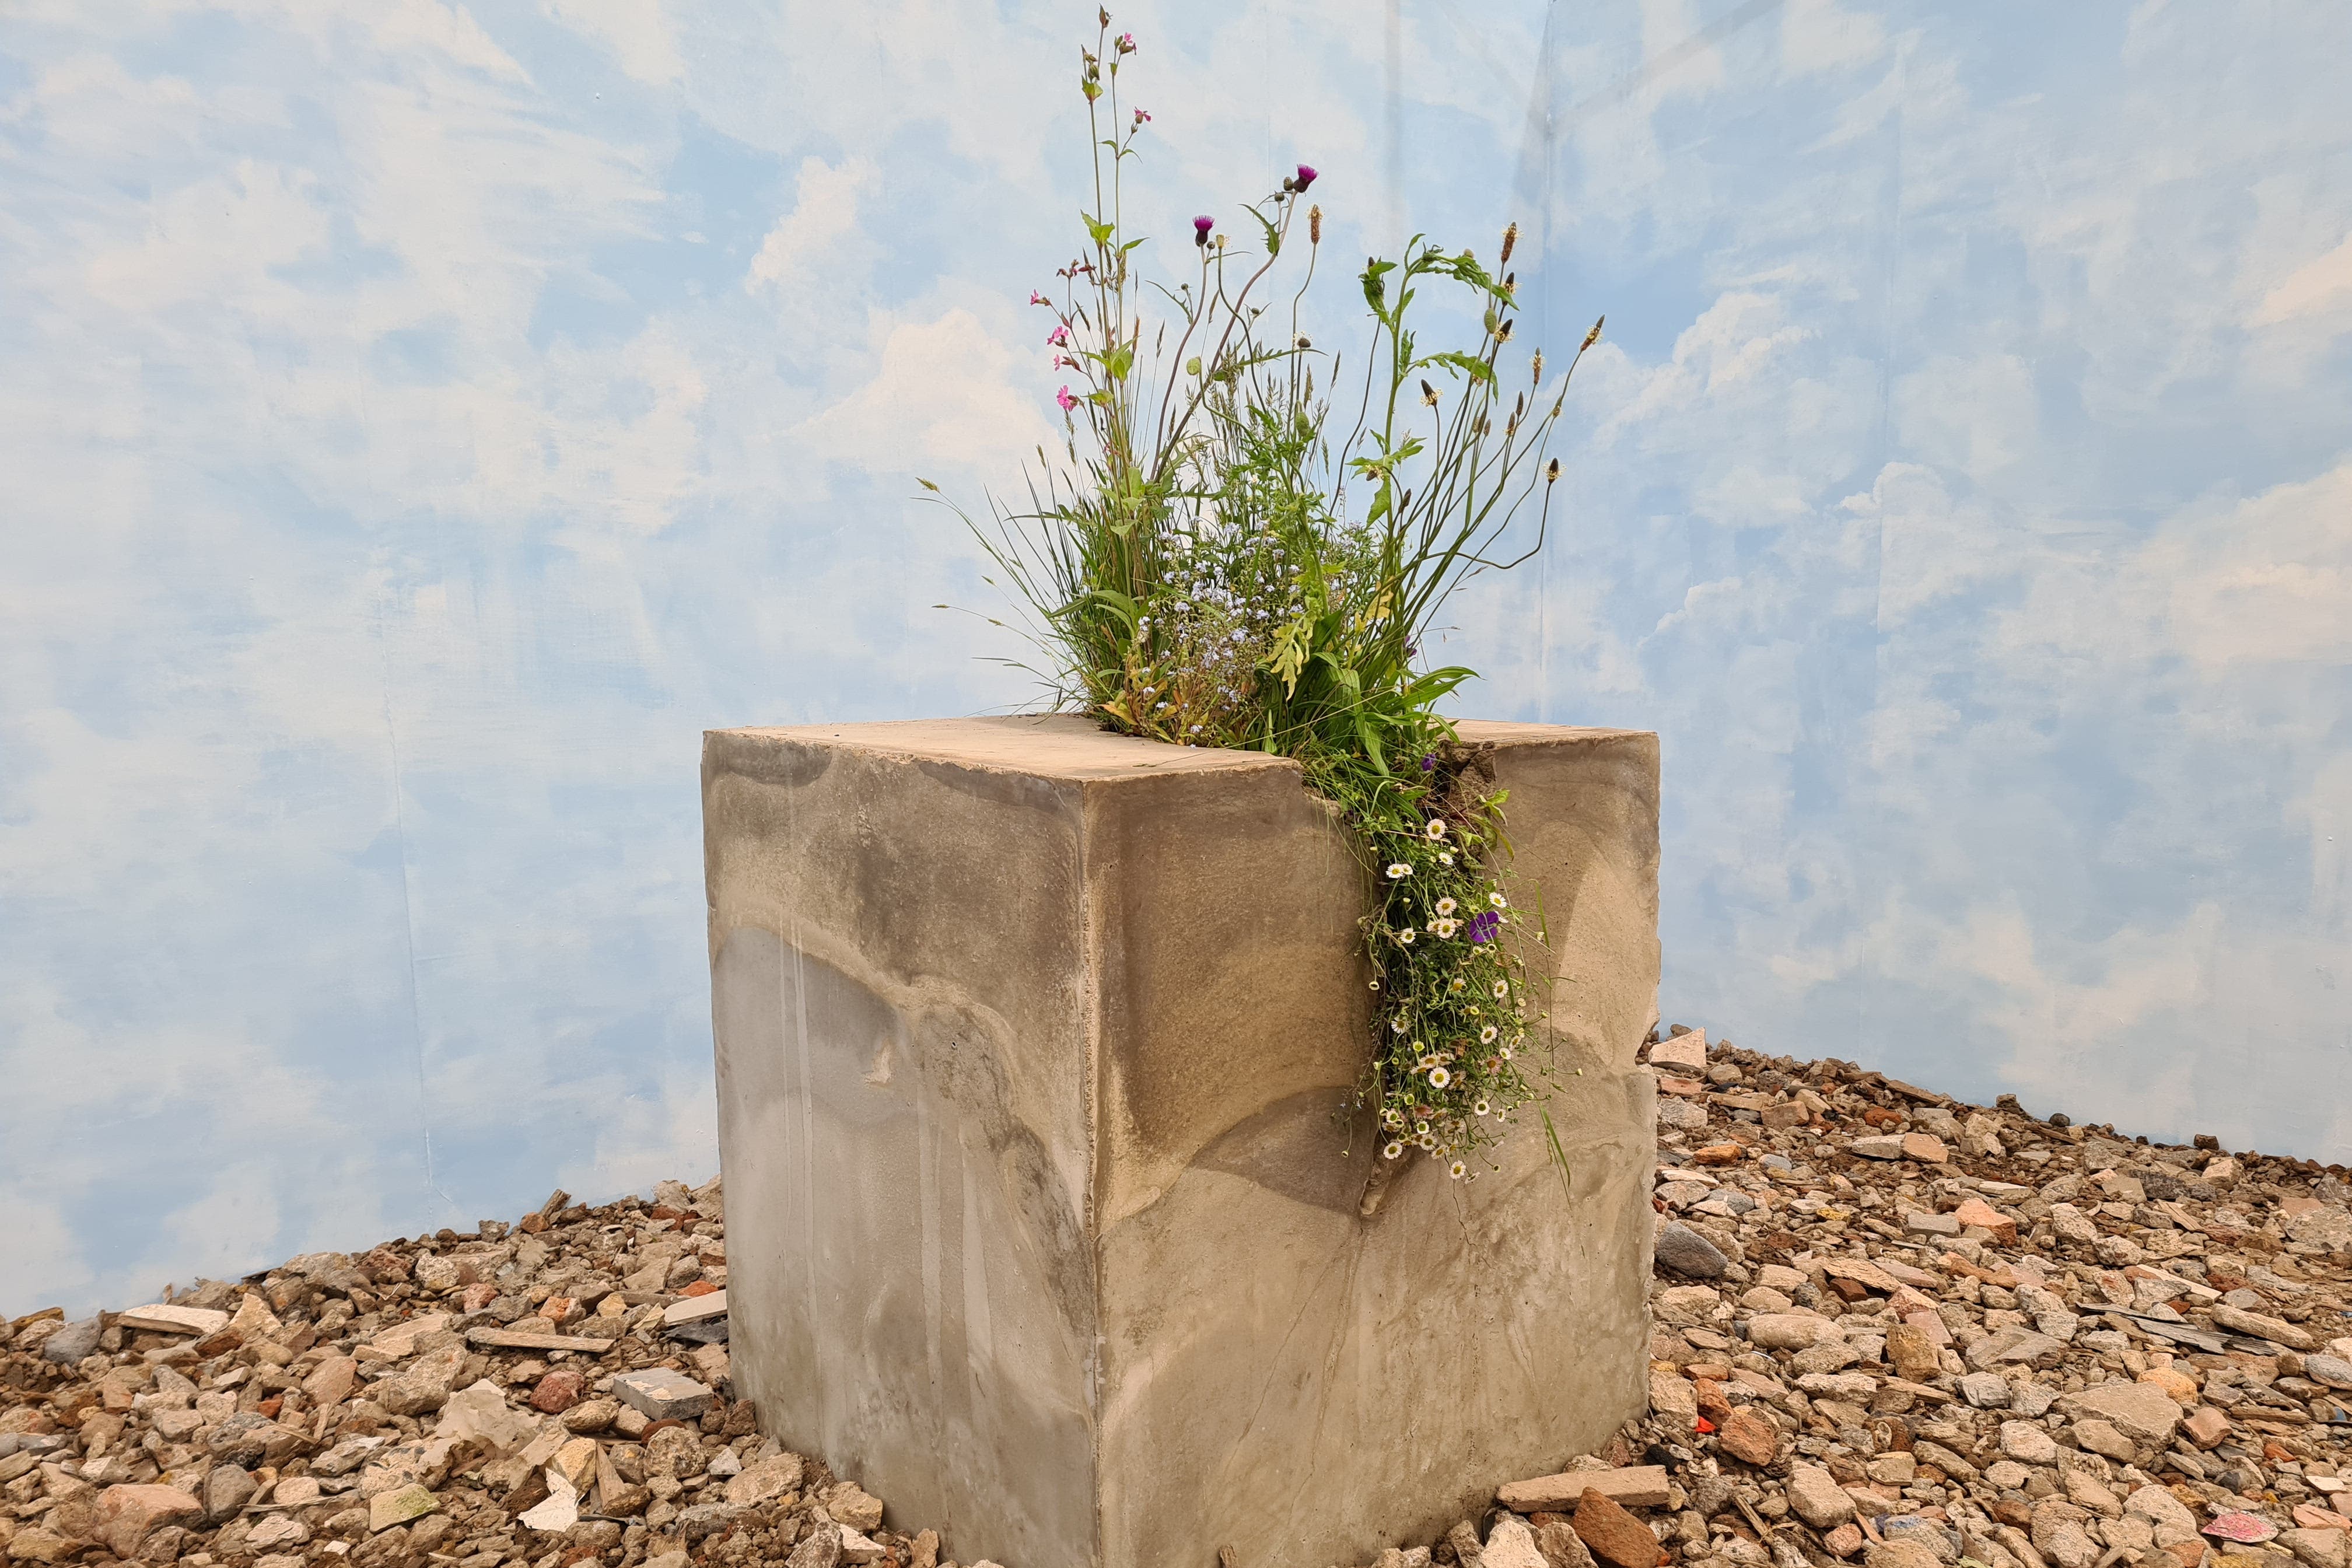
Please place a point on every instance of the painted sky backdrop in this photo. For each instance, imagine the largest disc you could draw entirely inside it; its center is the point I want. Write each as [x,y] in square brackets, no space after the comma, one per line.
[419,420]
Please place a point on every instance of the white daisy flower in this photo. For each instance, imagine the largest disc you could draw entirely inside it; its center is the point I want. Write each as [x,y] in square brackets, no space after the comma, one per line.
[1439,1078]
[1446,857]
[1480,1107]
[1399,870]
[1406,936]
[1421,1130]
[1458,985]
[1486,1036]
[1445,906]
[1395,1149]
[1435,830]
[1375,982]
[1507,1053]
[1456,1169]
[1498,900]
[1396,1026]
[1444,928]
[1502,989]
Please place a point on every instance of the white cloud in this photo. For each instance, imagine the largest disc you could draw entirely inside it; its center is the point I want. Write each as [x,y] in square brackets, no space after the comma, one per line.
[1818,35]
[2320,287]
[637,33]
[943,392]
[824,211]
[1977,415]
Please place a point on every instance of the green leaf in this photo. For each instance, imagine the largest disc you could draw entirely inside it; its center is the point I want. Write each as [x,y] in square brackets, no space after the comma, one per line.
[1470,365]
[1273,235]
[1558,1156]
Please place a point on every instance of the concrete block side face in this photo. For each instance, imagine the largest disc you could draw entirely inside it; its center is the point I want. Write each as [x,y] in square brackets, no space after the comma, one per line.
[1309,1384]
[1223,914]
[902,1026]
[1583,819]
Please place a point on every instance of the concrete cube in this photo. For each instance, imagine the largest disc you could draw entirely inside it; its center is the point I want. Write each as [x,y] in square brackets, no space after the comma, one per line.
[1046,1216]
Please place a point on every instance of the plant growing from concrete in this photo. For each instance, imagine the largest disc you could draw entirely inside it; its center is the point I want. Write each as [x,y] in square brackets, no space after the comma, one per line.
[1223,562]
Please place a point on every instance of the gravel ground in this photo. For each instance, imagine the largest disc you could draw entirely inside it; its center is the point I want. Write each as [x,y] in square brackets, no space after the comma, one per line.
[1889,1329]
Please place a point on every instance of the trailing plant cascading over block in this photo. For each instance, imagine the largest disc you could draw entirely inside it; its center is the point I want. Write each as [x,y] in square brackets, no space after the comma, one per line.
[1220,563]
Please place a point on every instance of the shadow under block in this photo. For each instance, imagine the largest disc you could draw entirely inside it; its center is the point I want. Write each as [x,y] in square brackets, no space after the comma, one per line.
[1035,1045]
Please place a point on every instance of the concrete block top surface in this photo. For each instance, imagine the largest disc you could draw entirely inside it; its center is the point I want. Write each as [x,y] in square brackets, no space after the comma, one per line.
[1074,747]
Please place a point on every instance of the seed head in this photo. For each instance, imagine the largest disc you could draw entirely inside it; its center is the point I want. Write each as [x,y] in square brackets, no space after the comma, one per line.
[1594,336]
[1538,367]
[1551,475]
[1511,239]
[1315,225]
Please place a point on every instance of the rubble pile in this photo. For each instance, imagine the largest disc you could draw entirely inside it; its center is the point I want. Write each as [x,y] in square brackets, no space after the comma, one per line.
[1889,1332]
[1894,1331]
[551,1392]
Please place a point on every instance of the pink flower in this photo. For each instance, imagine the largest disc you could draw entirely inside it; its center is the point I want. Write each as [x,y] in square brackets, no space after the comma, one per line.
[1059,335]
[1200,227]
[1126,43]
[1066,400]
[1061,359]
[1305,177]
[1037,298]
[1141,116]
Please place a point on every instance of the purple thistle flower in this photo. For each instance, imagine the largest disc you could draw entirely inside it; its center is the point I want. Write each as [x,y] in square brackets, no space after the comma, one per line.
[1200,227]
[1306,176]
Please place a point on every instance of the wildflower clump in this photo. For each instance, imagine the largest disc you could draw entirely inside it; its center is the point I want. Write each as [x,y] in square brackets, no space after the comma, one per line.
[1224,561]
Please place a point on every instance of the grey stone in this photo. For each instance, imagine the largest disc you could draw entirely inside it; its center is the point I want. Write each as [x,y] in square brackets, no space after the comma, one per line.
[661,1395]
[2258,1326]
[72,1342]
[990,1000]
[1681,1115]
[1789,1330]
[227,1487]
[1817,1497]
[821,1550]
[2332,1371]
[1685,1053]
[2011,1346]
[2028,1443]
[2140,1411]
[1985,1390]
[1683,1251]
[2099,1437]
[704,1519]
[1510,1544]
